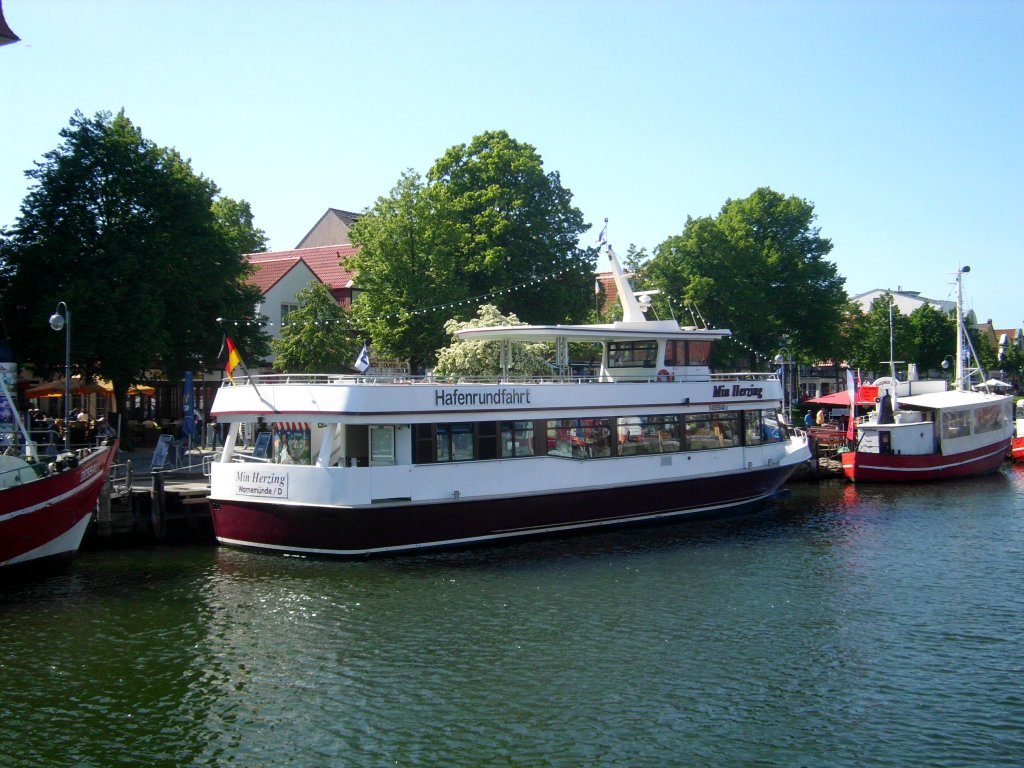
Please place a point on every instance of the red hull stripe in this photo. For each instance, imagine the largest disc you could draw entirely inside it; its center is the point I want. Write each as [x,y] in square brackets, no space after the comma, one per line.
[1017,448]
[874,467]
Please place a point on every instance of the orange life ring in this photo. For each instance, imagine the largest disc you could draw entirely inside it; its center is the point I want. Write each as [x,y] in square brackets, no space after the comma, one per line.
[664,375]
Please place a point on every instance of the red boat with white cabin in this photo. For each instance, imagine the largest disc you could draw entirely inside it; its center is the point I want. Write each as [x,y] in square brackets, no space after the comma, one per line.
[939,435]
[1017,441]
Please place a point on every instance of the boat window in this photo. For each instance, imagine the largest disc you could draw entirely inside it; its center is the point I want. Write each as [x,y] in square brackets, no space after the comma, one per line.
[770,427]
[579,438]
[675,353]
[989,418]
[647,434]
[698,352]
[487,440]
[516,438]
[454,442]
[290,443]
[632,354]
[753,429]
[956,424]
[423,443]
[687,352]
[726,427]
[382,445]
[712,430]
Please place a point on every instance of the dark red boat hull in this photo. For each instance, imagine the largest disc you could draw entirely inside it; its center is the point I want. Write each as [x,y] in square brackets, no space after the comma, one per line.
[392,528]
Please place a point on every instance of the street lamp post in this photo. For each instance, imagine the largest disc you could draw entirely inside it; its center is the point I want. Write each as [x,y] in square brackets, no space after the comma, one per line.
[63,322]
[787,395]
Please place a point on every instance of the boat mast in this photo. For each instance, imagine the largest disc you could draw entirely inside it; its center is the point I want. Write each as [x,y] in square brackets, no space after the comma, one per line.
[964,348]
[30,448]
[959,374]
[632,311]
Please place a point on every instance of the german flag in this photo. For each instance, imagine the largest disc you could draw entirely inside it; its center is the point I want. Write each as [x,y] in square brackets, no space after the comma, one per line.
[234,359]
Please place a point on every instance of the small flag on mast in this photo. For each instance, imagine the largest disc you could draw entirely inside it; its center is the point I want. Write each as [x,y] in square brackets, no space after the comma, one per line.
[234,359]
[602,237]
[363,361]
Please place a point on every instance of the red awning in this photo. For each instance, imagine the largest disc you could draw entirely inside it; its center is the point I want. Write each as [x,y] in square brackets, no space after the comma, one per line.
[866,395]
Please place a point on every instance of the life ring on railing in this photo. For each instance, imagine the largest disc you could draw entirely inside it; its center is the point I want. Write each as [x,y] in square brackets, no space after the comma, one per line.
[664,375]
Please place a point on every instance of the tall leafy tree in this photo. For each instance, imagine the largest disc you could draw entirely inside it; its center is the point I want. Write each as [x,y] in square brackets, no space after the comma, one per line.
[876,340]
[933,333]
[487,220]
[235,222]
[758,268]
[319,337]
[124,232]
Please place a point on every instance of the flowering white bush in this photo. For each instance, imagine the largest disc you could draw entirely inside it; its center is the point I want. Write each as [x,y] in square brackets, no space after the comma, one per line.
[482,358]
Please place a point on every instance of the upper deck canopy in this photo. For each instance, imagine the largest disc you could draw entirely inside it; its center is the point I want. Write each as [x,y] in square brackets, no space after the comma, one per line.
[949,399]
[664,329]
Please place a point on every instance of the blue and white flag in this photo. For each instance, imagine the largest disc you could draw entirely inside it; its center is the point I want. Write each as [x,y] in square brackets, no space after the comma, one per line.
[602,237]
[363,361]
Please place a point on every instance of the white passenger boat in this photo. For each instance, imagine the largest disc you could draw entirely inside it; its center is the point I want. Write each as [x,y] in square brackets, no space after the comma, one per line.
[362,465]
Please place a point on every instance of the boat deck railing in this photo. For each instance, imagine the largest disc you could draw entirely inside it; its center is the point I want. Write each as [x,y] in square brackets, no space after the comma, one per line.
[313,379]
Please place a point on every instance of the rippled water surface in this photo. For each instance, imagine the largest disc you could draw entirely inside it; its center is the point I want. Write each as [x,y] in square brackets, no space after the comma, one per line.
[853,626]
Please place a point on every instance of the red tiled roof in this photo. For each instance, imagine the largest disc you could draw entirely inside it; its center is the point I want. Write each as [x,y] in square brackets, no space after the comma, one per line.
[326,262]
[270,271]
[611,291]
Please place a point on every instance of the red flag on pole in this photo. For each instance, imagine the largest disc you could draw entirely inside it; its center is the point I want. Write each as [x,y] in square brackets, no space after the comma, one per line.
[234,359]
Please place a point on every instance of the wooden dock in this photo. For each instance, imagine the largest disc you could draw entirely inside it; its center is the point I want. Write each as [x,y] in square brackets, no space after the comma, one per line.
[825,445]
[145,506]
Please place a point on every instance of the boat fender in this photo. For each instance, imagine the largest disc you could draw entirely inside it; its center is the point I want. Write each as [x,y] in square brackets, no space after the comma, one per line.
[664,375]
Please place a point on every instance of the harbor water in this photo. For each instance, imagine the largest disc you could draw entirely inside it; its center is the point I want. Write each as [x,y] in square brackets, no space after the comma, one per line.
[843,626]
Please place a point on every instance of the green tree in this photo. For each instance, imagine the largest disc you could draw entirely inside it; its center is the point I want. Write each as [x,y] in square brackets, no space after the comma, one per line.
[124,232]
[1013,364]
[319,337]
[759,269]
[475,357]
[933,335]
[486,221]
[985,348]
[871,349]
[235,222]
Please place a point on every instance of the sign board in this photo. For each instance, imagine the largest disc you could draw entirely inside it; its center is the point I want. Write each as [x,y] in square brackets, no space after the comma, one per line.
[8,375]
[388,368]
[162,451]
[262,448]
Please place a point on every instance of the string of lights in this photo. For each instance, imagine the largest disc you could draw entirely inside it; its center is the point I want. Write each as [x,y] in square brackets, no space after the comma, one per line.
[758,355]
[435,307]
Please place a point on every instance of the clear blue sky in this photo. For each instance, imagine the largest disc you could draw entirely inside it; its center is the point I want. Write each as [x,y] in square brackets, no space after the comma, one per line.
[902,122]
